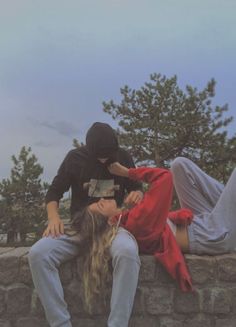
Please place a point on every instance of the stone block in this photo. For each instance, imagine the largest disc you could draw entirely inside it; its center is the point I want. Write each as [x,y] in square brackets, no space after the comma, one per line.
[231,322]
[36,306]
[31,322]
[24,275]
[186,302]
[148,269]
[18,299]
[216,301]
[233,299]
[169,322]
[65,272]
[202,268]
[8,268]
[4,323]
[143,321]
[5,249]
[9,264]
[227,267]
[74,298]
[198,321]
[2,300]
[158,300]
[79,268]
[162,277]
[138,307]
[85,322]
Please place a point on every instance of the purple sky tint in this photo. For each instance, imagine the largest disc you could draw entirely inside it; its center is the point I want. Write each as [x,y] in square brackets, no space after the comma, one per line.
[60,59]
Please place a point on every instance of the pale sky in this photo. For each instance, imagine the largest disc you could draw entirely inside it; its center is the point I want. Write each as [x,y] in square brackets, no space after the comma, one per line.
[60,59]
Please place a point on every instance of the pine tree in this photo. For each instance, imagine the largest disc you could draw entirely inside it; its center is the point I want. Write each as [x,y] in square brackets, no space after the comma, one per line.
[160,122]
[22,197]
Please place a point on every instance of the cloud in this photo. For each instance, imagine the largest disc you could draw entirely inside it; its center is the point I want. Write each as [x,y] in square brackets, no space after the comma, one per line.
[44,144]
[62,127]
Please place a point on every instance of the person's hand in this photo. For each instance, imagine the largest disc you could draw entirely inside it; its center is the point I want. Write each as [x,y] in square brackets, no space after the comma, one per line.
[55,227]
[117,169]
[133,198]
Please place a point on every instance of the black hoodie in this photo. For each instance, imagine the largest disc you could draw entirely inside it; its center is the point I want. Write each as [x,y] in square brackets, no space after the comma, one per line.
[89,179]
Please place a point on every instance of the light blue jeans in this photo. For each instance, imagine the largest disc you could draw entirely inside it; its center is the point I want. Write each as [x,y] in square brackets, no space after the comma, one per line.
[213,229]
[49,253]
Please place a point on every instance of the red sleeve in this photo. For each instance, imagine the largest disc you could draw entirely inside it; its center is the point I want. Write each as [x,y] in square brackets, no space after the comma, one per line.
[148,218]
[182,216]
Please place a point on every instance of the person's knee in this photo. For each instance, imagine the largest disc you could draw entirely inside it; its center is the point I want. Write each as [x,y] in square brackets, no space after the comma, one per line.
[35,254]
[179,163]
[38,251]
[126,251]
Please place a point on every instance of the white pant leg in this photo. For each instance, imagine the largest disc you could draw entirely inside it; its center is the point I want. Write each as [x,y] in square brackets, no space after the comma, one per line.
[213,230]
[224,213]
[195,189]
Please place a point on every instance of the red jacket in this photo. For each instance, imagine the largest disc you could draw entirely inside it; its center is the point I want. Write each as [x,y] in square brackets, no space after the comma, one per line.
[147,222]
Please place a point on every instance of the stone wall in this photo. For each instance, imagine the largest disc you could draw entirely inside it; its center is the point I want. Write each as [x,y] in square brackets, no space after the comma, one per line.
[158,302]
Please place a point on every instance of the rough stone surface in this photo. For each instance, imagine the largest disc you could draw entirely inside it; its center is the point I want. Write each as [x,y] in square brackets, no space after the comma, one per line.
[202,269]
[158,301]
[170,322]
[233,299]
[2,300]
[186,302]
[24,275]
[216,301]
[143,321]
[138,307]
[148,269]
[66,273]
[4,323]
[5,249]
[31,322]
[227,267]
[226,322]
[198,321]
[18,299]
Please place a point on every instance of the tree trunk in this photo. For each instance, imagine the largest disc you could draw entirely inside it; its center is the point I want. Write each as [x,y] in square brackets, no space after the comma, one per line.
[12,236]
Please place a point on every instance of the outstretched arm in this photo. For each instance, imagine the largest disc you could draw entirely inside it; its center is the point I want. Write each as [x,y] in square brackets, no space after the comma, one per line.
[148,217]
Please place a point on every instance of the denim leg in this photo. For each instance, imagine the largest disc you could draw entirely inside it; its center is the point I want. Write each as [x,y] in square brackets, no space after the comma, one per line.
[126,265]
[45,257]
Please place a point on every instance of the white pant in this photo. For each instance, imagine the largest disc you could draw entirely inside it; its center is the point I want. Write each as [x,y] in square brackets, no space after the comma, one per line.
[213,229]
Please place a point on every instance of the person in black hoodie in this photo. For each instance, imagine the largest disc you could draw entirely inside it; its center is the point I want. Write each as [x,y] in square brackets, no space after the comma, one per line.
[85,171]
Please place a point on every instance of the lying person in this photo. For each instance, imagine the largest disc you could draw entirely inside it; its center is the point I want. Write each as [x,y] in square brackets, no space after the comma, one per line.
[146,222]
[206,225]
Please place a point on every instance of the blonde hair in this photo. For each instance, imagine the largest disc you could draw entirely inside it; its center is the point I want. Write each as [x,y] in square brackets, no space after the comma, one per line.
[97,235]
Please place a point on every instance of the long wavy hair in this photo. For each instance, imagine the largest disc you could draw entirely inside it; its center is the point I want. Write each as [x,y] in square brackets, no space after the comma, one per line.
[96,235]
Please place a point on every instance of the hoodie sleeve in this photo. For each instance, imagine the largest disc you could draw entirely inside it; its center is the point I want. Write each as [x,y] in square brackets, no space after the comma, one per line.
[61,182]
[148,218]
[131,184]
